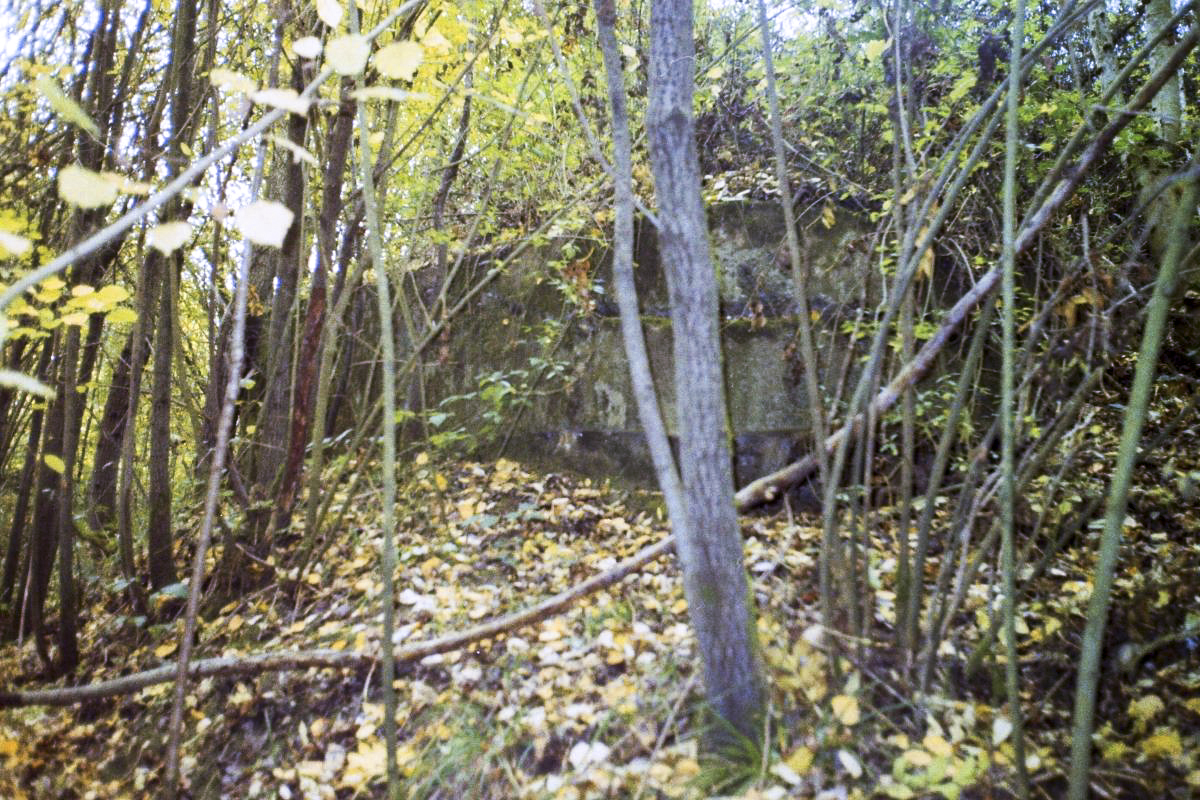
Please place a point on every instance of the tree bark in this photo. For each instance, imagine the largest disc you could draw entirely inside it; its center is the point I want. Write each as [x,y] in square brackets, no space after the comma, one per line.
[304,393]
[158,532]
[710,546]
[277,354]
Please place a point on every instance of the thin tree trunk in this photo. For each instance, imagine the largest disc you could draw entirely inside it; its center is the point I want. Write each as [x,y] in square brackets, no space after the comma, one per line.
[308,370]
[1118,497]
[160,563]
[274,417]
[710,546]
[24,493]
[68,644]
[159,534]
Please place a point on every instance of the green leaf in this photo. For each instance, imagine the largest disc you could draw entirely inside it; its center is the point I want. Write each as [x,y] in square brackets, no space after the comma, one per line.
[67,108]
[875,49]
[961,86]
[179,590]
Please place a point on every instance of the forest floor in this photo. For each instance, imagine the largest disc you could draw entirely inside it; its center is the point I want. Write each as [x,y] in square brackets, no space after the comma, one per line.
[604,700]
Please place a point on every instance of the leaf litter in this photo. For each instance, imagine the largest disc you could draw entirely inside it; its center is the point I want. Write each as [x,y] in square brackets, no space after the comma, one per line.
[604,700]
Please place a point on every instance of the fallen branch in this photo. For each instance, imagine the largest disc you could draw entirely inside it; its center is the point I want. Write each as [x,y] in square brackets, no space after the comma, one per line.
[256,663]
[769,487]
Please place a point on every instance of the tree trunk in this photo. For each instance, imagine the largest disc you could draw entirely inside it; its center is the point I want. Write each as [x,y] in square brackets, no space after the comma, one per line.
[710,545]
[304,394]
[277,356]
[159,535]
[102,488]
[24,492]
[158,532]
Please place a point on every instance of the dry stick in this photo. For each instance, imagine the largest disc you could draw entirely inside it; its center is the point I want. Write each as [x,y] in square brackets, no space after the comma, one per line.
[666,468]
[256,663]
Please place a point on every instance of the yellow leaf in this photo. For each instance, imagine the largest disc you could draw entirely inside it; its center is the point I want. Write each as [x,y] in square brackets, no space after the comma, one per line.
[25,383]
[165,649]
[367,762]
[287,99]
[925,268]
[307,47]
[13,245]
[84,188]
[937,745]
[264,222]
[845,709]
[119,316]
[1002,727]
[55,463]
[348,54]
[679,606]
[801,760]
[1145,709]
[399,60]
[422,459]
[1164,742]
[827,217]
[330,12]
[434,40]
[1114,751]
[111,295]
[918,758]
[386,93]
[169,237]
[8,747]
[228,79]
[849,762]
[440,481]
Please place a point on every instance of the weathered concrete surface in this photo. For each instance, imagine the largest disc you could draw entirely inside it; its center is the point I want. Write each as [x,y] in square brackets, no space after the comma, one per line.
[581,409]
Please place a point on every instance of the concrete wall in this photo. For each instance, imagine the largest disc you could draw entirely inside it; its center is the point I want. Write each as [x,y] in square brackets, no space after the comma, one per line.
[586,417]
